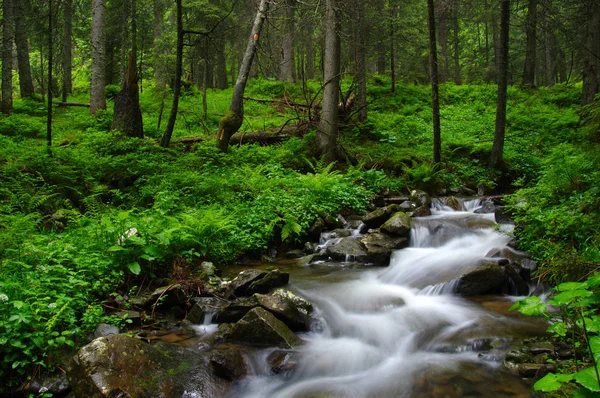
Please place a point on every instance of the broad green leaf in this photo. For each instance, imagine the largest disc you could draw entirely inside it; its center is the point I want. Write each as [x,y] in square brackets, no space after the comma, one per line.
[595,346]
[587,378]
[531,306]
[593,325]
[585,393]
[18,304]
[563,287]
[567,297]
[551,382]
[134,268]
[593,280]
[559,329]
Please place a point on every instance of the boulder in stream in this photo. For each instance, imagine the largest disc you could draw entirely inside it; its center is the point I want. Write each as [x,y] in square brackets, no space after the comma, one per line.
[252,281]
[287,307]
[398,224]
[376,218]
[260,328]
[123,366]
[348,249]
[487,279]
[228,362]
[421,198]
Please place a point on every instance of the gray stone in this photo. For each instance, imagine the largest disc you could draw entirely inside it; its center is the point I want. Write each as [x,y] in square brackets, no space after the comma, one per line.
[503,216]
[288,308]
[398,224]
[454,203]
[421,198]
[261,328]
[166,297]
[203,306]
[228,363]
[208,268]
[294,254]
[407,206]
[105,329]
[487,207]
[253,281]
[56,384]
[376,218]
[348,249]
[236,310]
[421,211]
[312,258]
[134,316]
[488,279]
[314,232]
[528,369]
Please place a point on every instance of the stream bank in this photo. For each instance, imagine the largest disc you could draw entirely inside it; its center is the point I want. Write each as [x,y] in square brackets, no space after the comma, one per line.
[370,323]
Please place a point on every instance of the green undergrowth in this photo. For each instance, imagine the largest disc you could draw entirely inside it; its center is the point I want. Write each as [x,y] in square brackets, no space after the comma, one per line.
[103,213]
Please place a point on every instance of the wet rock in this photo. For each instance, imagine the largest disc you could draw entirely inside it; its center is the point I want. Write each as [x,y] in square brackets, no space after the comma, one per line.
[454,203]
[165,297]
[312,258]
[105,329]
[487,279]
[253,281]
[348,249]
[398,200]
[376,218]
[421,211]
[119,365]
[203,306]
[398,224]
[261,328]
[541,348]
[486,208]
[311,247]
[421,198]
[294,254]
[228,363]
[236,310]
[407,206]
[282,361]
[208,268]
[288,308]
[380,246]
[503,216]
[332,222]
[528,369]
[516,286]
[56,384]
[314,232]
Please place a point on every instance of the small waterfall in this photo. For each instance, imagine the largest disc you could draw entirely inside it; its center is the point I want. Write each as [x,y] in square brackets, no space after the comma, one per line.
[391,332]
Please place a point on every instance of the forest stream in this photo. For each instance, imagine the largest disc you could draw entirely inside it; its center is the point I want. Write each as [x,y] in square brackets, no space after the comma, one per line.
[399,331]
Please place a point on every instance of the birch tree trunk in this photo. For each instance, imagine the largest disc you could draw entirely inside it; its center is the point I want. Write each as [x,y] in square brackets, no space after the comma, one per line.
[97,99]
[232,122]
[328,126]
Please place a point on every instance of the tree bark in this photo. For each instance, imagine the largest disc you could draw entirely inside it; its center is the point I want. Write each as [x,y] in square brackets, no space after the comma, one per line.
[25,80]
[457,74]
[435,97]
[361,62]
[232,122]
[50,65]
[67,61]
[7,56]
[222,82]
[328,126]
[160,69]
[287,65]
[127,116]
[309,46]
[498,146]
[530,51]
[98,73]
[590,55]
[166,138]
[443,11]
[393,58]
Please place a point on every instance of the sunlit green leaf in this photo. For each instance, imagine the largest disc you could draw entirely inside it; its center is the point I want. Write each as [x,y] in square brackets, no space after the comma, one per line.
[588,379]
[551,382]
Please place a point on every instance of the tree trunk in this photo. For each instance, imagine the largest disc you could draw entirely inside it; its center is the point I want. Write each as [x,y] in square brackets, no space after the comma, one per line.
[393,60]
[288,65]
[25,81]
[310,52]
[498,146]
[166,138]
[98,73]
[457,74]
[127,116]
[67,50]
[590,55]
[160,69]
[530,51]
[222,82]
[435,97]
[50,65]
[232,122]
[328,126]
[7,56]
[361,62]
[443,11]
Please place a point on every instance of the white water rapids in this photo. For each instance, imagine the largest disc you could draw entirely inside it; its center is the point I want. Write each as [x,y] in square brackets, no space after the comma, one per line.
[397,332]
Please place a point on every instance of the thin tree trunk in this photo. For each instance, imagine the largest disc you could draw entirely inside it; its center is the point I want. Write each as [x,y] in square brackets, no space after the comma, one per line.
[393,61]
[433,67]
[530,52]
[457,74]
[287,66]
[590,55]
[166,138]
[361,63]
[443,11]
[222,82]
[231,123]
[310,52]
[97,98]
[498,146]
[328,126]
[25,80]
[7,56]
[67,50]
[50,64]
[160,69]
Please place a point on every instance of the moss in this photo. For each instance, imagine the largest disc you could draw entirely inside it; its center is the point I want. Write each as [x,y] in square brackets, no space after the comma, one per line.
[231,122]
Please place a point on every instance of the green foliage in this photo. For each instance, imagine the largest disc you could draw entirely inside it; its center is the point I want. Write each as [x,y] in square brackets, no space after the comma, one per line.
[576,323]
[20,125]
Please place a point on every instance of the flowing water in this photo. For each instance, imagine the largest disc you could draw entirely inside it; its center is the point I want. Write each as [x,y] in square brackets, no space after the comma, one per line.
[398,331]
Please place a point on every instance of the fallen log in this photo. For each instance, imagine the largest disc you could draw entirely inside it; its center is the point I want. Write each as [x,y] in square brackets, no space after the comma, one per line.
[282,102]
[65,104]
